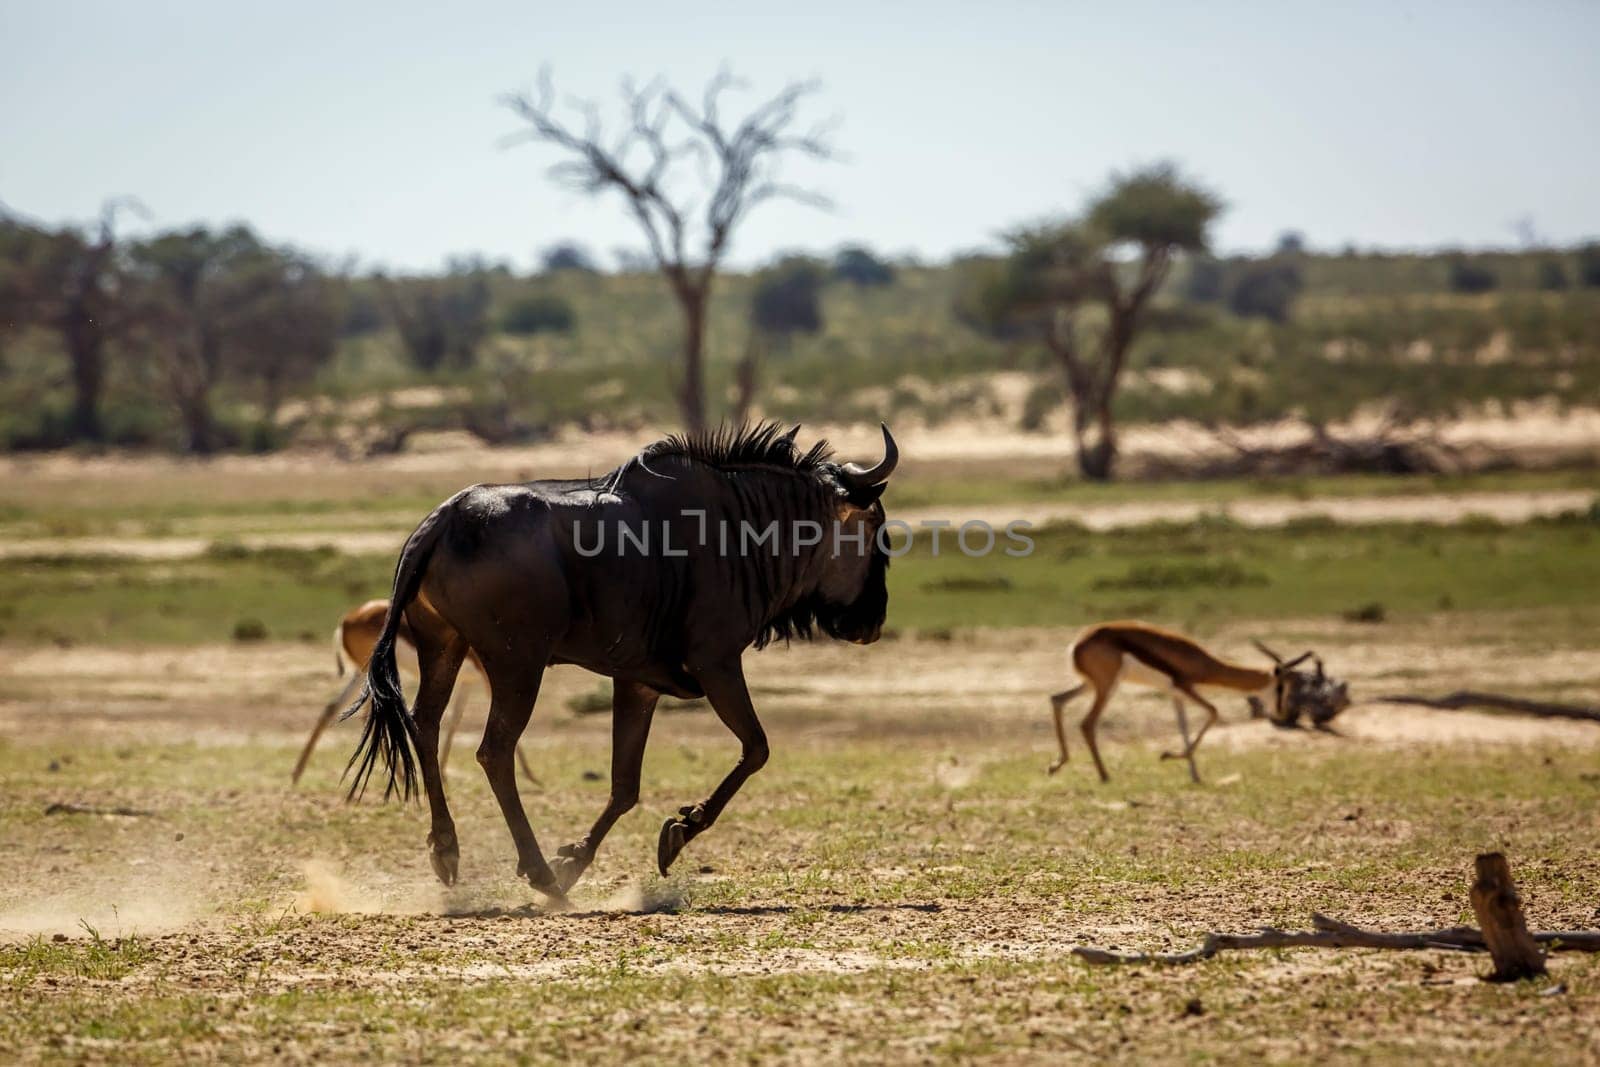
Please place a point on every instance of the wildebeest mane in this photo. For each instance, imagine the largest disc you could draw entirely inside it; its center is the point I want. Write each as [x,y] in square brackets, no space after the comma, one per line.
[763,444]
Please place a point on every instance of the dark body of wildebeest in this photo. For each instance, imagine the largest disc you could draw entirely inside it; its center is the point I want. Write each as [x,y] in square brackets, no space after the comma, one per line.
[646,575]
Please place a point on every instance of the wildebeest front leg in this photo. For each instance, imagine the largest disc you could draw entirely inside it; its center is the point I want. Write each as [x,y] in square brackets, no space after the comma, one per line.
[730,699]
[632,708]
[513,688]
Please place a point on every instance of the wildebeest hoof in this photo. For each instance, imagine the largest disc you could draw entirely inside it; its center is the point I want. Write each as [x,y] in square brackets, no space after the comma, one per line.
[569,864]
[1054,767]
[545,881]
[670,843]
[445,855]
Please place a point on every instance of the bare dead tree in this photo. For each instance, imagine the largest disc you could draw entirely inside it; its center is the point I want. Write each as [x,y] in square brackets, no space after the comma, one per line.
[688,174]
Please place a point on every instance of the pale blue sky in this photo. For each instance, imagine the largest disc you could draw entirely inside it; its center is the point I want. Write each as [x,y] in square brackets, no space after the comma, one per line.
[371,128]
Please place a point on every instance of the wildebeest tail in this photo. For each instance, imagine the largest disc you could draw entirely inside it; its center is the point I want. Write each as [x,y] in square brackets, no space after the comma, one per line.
[390,732]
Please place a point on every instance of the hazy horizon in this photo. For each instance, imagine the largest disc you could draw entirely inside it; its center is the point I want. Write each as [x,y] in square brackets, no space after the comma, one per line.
[373,131]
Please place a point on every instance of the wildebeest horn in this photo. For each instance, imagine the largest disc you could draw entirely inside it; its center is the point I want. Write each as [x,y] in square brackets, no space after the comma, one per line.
[856,477]
[1273,656]
[1301,658]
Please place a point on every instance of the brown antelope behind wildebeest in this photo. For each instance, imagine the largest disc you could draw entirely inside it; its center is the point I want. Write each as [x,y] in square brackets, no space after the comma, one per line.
[1110,653]
[353,641]
[658,575]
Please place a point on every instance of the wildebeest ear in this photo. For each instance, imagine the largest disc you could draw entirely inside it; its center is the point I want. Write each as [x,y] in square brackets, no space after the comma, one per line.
[865,498]
[791,435]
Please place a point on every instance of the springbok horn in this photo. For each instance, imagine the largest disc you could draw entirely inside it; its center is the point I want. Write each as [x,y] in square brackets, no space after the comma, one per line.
[1273,656]
[856,477]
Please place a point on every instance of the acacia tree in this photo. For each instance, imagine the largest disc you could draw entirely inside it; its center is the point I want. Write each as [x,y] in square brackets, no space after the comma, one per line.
[68,281]
[221,306]
[688,175]
[1115,256]
[787,301]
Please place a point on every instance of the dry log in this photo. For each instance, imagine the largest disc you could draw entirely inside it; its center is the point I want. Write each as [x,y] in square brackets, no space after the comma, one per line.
[61,808]
[1330,933]
[1499,910]
[1473,699]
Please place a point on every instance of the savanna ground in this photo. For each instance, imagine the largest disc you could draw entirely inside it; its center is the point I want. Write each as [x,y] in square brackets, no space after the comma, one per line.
[902,882]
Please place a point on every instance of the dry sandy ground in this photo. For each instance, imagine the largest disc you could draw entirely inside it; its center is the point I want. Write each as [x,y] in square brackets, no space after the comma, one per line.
[1528,429]
[220,877]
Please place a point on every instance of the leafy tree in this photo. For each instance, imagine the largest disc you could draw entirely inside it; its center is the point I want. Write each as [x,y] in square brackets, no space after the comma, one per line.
[363,313]
[1115,256]
[787,301]
[1266,288]
[539,313]
[71,282]
[858,266]
[567,255]
[441,320]
[1589,265]
[220,306]
[1469,277]
[788,298]
[1207,281]
[1552,275]
[667,146]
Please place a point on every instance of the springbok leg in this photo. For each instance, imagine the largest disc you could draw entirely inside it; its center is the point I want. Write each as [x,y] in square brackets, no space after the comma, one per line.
[513,688]
[730,699]
[632,708]
[1058,704]
[1189,745]
[458,705]
[334,707]
[1183,728]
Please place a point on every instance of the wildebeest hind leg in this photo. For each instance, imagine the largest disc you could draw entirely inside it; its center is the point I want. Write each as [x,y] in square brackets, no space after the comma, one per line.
[439,658]
[632,708]
[730,699]
[513,688]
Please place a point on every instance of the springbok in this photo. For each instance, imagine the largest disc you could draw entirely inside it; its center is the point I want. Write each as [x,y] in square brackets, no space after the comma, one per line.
[353,641]
[1110,653]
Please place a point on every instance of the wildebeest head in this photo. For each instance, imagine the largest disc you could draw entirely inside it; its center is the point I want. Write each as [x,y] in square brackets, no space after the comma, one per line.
[852,595]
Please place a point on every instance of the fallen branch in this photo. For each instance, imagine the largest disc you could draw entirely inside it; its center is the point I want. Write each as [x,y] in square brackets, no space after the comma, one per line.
[1517,953]
[1331,933]
[58,808]
[1471,699]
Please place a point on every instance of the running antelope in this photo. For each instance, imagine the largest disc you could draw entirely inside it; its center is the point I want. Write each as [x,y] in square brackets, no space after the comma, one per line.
[1113,652]
[353,641]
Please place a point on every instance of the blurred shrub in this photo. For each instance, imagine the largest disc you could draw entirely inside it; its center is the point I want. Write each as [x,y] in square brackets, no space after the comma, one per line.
[1265,289]
[859,266]
[1552,275]
[1469,277]
[567,255]
[538,314]
[1589,265]
[788,298]
[247,630]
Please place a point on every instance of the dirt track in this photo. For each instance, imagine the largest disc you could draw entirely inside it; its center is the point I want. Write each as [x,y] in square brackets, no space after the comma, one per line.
[1507,507]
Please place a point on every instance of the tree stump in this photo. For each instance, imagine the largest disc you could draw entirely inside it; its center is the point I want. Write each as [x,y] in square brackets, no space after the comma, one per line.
[1499,910]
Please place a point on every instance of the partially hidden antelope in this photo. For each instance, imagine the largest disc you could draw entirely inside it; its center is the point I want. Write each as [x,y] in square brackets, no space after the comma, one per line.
[353,641]
[1110,653]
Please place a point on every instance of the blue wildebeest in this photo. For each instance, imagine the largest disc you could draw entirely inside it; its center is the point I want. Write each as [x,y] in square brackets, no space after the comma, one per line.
[658,575]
